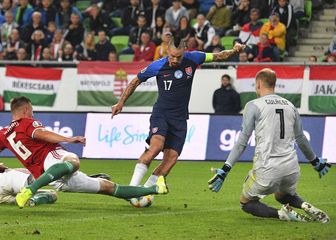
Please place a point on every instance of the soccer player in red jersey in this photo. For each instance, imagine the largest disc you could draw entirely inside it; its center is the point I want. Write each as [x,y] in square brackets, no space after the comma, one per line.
[40,152]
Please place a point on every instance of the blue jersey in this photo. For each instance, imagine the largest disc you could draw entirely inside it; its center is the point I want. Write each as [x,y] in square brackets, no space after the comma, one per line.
[174,84]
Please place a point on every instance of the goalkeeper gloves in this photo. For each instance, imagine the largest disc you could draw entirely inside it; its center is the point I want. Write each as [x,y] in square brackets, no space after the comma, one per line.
[321,166]
[216,182]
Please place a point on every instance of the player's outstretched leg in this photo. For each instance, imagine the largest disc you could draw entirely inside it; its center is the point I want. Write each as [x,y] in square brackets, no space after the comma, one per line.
[53,173]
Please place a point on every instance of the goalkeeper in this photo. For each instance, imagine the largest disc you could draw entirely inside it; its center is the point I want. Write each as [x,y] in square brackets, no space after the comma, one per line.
[275,169]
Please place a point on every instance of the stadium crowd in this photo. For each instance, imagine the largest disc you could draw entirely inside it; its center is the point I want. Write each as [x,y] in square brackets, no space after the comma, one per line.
[56,30]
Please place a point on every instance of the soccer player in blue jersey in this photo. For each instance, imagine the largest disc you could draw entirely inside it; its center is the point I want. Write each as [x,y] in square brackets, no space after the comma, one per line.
[168,122]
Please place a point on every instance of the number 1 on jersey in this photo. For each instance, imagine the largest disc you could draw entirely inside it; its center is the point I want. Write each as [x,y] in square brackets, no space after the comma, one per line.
[282,122]
[167,84]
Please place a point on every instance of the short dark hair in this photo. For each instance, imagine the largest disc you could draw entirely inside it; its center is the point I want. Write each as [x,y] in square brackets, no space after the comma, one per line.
[177,43]
[17,102]
[255,10]
[226,76]
[267,76]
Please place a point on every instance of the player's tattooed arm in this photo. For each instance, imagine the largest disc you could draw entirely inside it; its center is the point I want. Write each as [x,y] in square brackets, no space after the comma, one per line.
[237,48]
[116,109]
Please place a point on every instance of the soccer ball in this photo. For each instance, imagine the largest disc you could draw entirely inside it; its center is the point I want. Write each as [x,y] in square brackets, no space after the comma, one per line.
[142,202]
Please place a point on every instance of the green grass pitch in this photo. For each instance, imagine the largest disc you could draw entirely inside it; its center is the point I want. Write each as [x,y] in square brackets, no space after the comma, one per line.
[189,211]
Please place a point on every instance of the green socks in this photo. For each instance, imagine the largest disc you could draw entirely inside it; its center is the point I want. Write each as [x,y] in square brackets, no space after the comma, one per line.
[53,173]
[132,191]
[43,198]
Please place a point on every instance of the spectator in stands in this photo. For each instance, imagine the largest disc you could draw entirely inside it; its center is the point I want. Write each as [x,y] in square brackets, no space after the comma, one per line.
[86,50]
[192,7]
[63,15]
[174,14]
[103,47]
[75,30]
[130,18]
[332,47]
[249,34]
[240,16]
[13,45]
[36,45]
[185,30]
[158,29]
[205,6]
[153,11]
[220,17]
[113,57]
[235,57]
[115,7]
[276,32]
[226,100]
[263,51]
[99,21]
[262,6]
[8,26]
[21,54]
[46,55]
[215,45]
[146,50]
[298,7]
[57,44]
[50,32]
[23,13]
[36,24]
[48,12]
[243,57]
[312,59]
[192,45]
[287,17]
[204,31]
[161,50]
[331,59]
[66,54]
[6,6]
[135,35]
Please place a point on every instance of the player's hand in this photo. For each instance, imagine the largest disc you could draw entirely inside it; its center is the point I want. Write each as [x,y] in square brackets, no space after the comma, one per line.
[116,109]
[239,47]
[3,167]
[321,166]
[216,182]
[78,139]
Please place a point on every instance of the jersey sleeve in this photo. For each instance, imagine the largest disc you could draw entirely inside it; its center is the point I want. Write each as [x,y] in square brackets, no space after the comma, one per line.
[2,145]
[250,115]
[150,71]
[196,56]
[301,139]
[32,125]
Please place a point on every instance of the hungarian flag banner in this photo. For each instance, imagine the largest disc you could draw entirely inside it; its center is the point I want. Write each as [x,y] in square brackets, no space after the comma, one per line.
[102,83]
[288,85]
[40,85]
[322,81]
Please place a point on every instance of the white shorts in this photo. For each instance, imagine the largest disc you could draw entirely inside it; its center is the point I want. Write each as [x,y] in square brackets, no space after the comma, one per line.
[76,182]
[256,187]
[10,184]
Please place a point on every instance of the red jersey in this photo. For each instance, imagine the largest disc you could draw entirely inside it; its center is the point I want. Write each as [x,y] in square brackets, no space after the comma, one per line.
[18,137]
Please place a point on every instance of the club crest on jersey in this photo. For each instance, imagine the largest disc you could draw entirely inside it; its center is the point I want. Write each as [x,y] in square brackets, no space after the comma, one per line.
[155,129]
[188,71]
[37,124]
[178,74]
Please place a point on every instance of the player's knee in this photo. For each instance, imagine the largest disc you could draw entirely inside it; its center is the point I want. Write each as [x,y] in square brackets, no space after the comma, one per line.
[74,160]
[106,187]
[283,199]
[153,151]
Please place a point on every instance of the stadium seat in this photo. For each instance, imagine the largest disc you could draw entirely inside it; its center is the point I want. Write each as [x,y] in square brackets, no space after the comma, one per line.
[120,42]
[227,41]
[308,12]
[117,21]
[83,4]
[126,57]
[264,20]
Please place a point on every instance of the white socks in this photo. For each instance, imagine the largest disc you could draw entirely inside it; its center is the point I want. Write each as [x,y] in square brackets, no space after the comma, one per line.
[151,181]
[140,171]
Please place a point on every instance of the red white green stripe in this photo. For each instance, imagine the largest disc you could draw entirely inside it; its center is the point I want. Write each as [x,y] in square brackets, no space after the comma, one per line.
[39,84]
[101,84]
[288,85]
[322,97]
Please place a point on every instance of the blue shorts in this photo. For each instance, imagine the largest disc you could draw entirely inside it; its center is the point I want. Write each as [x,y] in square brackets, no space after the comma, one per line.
[173,130]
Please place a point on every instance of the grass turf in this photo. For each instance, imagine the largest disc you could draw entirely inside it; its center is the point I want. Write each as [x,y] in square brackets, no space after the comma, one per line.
[189,211]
